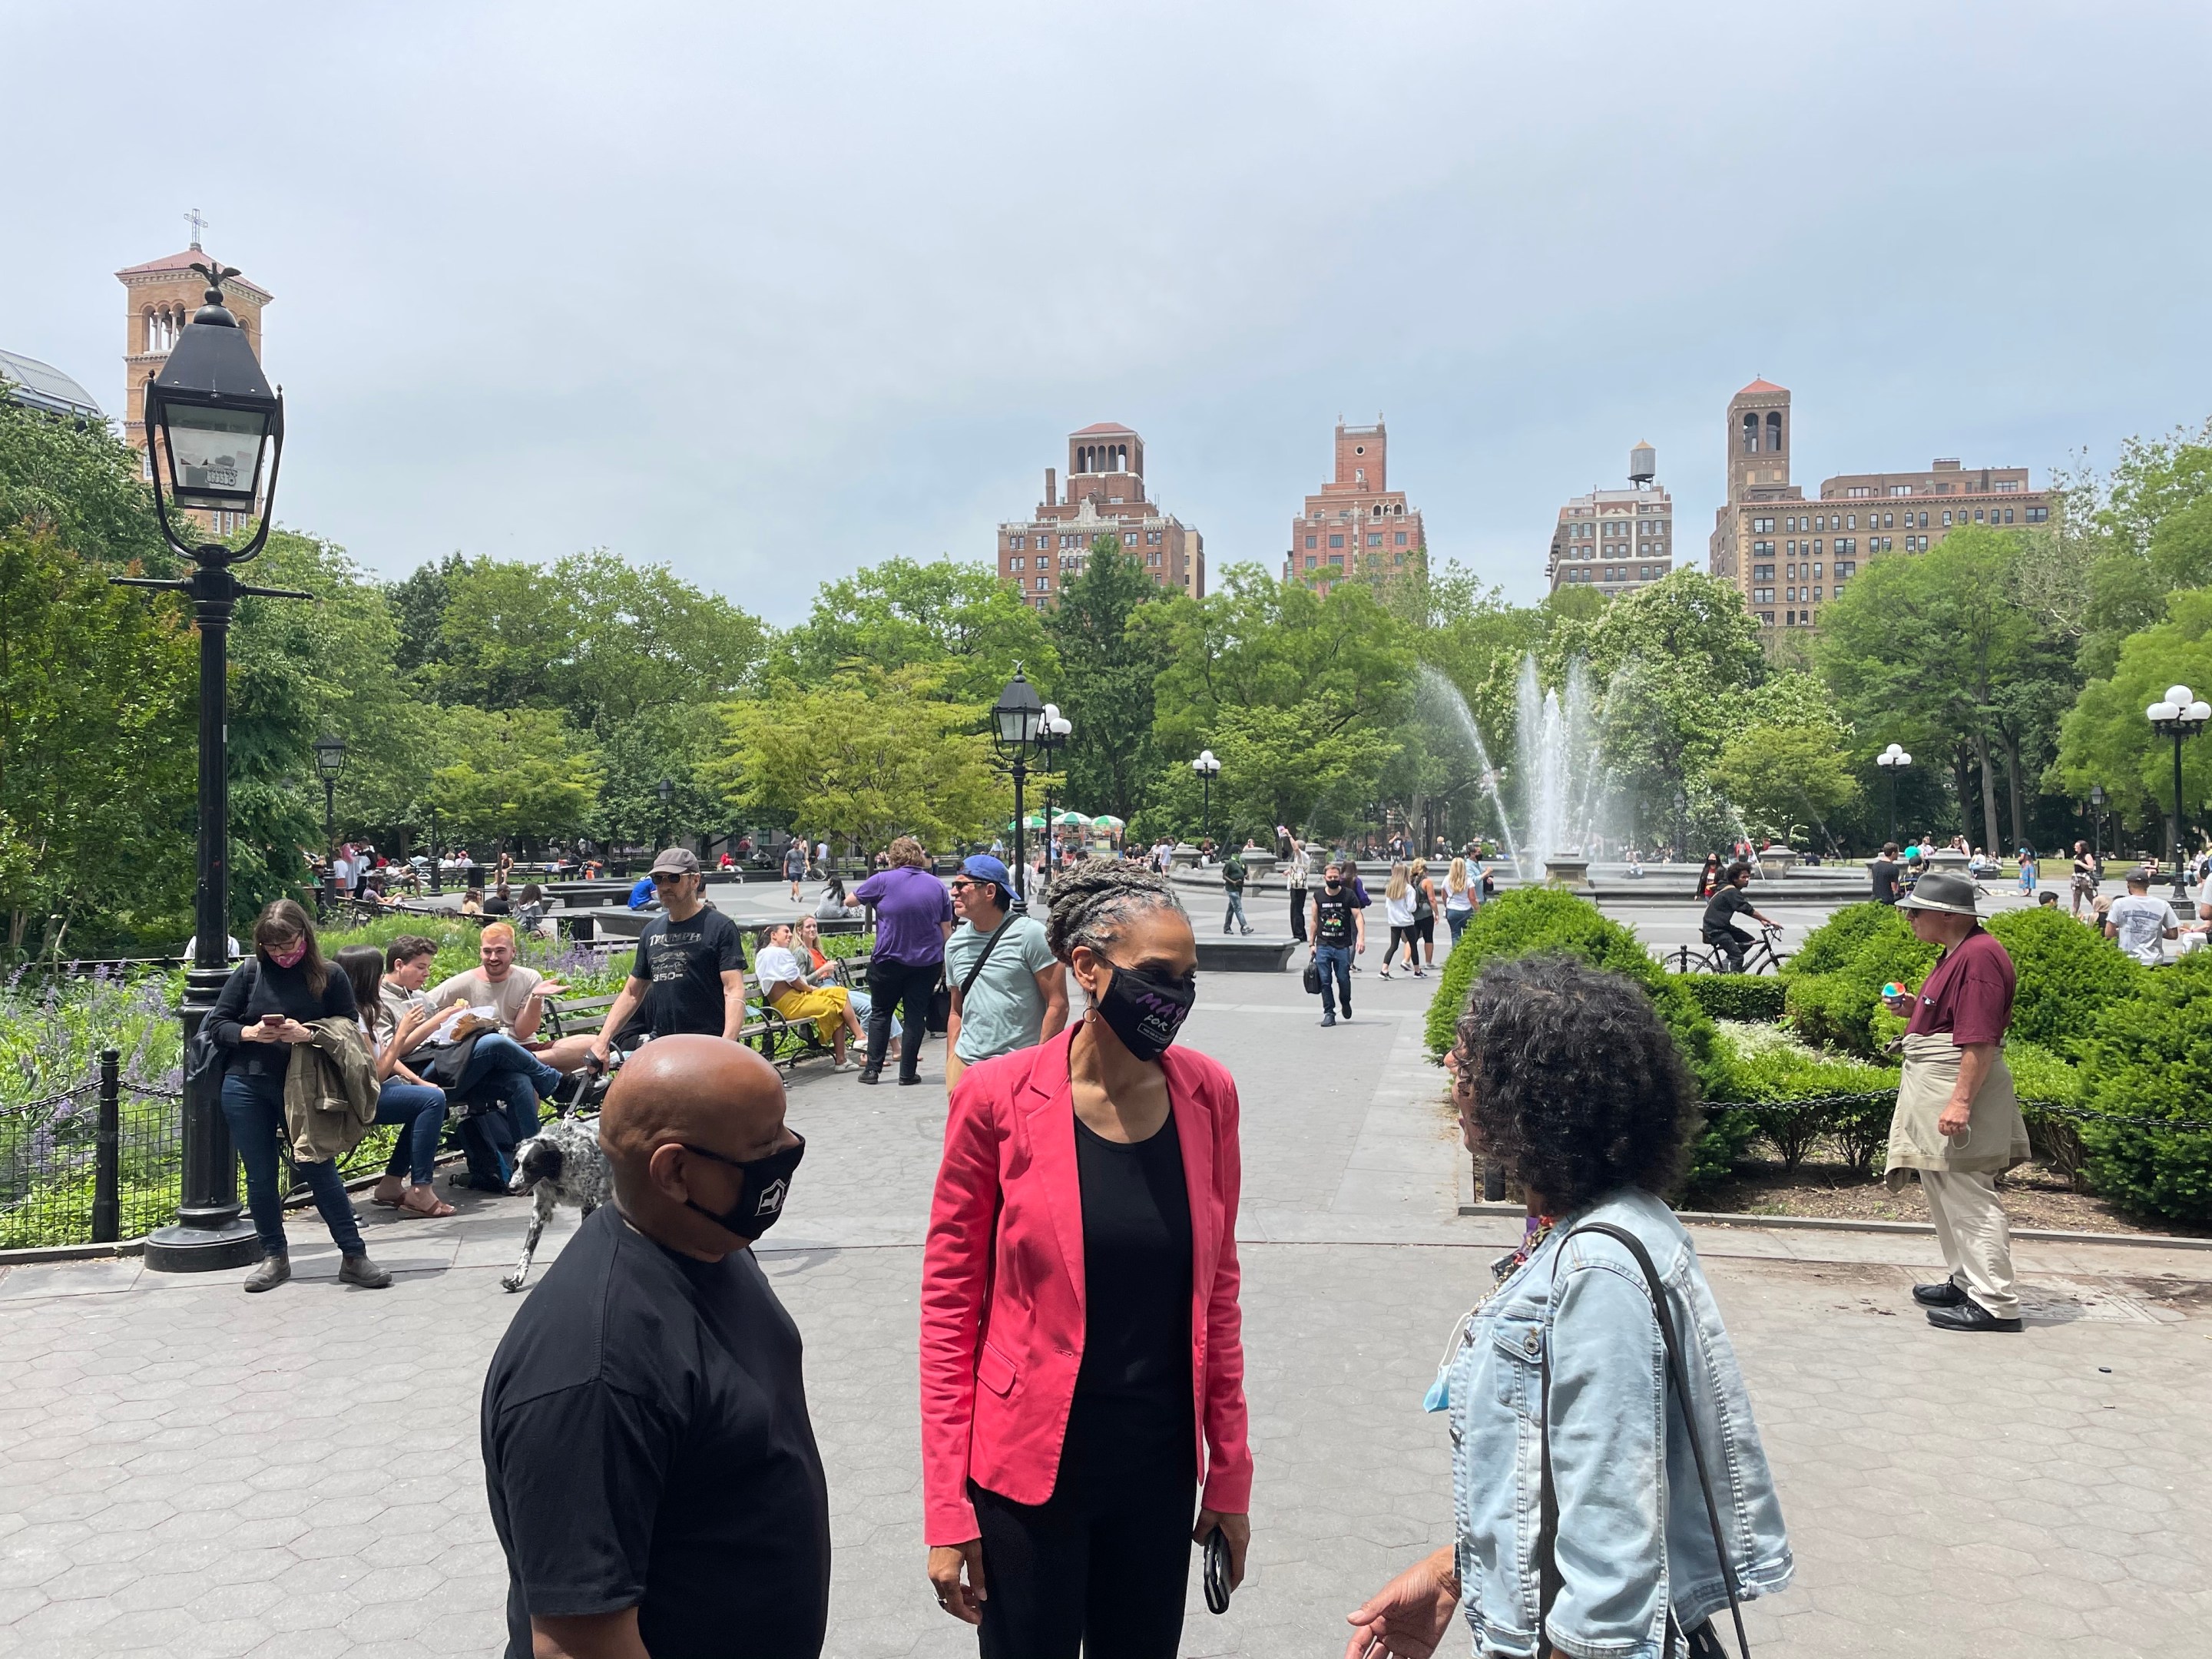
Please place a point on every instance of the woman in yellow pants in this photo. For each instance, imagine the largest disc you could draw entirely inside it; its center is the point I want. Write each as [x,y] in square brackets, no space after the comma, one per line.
[783,987]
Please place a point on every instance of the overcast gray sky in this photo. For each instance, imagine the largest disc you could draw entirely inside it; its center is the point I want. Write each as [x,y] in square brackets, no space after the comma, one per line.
[771,293]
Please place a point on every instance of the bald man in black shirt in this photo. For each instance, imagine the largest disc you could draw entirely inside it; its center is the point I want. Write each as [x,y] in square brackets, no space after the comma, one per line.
[652,1469]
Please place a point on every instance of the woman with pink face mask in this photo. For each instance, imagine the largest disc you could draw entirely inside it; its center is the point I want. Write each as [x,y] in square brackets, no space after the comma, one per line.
[270,1002]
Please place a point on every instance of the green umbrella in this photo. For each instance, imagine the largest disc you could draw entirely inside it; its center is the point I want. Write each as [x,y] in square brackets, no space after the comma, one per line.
[1073,821]
[1034,821]
[1108,821]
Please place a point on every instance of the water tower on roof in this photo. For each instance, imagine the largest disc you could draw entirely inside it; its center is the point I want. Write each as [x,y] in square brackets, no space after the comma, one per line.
[1643,465]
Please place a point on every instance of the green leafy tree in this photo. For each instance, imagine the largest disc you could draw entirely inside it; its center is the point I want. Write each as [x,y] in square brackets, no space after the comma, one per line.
[82,483]
[869,755]
[519,776]
[678,743]
[592,635]
[97,688]
[1934,641]
[1105,686]
[960,620]
[2106,739]
[418,604]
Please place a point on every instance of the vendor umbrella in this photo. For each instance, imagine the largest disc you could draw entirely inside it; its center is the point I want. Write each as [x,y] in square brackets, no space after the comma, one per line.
[1108,821]
[1072,821]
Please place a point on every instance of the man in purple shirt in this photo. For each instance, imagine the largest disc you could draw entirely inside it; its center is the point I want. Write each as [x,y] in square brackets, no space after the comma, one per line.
[913,918]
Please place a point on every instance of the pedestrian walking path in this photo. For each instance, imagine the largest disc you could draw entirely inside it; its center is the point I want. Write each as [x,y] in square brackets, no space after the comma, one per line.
[193,1472]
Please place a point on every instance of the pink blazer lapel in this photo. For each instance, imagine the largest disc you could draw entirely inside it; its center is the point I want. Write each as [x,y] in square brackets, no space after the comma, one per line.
[1049,1112]
[1193,1121]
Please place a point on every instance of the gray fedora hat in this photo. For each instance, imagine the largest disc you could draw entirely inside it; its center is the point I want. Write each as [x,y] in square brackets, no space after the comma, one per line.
[1940,889]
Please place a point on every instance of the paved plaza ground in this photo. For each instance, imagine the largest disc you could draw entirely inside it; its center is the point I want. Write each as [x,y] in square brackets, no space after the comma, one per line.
[188,1471]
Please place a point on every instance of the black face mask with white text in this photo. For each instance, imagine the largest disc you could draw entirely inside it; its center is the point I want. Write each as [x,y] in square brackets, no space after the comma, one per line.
[760,1200]
[1146,1012]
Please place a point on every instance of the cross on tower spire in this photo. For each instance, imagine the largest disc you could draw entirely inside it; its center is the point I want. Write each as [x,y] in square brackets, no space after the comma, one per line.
[198,225]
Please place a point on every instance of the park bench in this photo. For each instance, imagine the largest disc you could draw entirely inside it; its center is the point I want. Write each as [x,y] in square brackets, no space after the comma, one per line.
[784,1042]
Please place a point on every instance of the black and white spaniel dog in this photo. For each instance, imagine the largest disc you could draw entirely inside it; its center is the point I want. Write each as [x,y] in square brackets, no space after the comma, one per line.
[563,1164]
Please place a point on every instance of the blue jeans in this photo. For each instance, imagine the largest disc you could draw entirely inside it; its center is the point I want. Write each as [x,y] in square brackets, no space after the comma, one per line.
[423,1108]
[502,1069]
[1457,921]
[1234,914]
[1334,961]
[254,1106]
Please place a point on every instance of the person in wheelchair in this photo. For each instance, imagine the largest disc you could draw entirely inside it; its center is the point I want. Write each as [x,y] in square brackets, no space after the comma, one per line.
[1729,901]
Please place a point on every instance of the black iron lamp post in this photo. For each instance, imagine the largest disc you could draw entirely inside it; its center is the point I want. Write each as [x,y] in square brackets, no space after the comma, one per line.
[1208,768]
[1893,761]
[2097,821]
[1051,739]
[664,789]
[2181,714]
[1015,719]
[214,428]
[330,762]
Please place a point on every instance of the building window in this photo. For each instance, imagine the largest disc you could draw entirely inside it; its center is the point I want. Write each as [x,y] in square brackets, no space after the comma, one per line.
[1015,541]
[1336,541]
[1401,538]
[1947,515]
[2006,486]
[1816,591]
[1311,561]
[1762,595]
[1774,431]
[1900,490]
[1978,515]
[1762,550]
[2038,515]
[1312,541]
[1374,541]
[1762,572]
[2007,514]
[1857,491]
[1846,567]
[1015,563]
[1043,583]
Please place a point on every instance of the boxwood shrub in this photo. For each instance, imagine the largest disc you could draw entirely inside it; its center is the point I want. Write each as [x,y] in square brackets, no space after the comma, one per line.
[1533,919]
[1832,986]
[1735,996]
[2069,974]
[2150,1055]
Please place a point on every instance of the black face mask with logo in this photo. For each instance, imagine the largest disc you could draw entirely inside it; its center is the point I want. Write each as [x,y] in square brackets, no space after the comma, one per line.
[760,1200]
[1146,1012]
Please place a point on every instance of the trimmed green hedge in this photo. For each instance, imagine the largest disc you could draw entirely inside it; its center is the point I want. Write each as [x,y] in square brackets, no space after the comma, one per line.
[1533,919]
[2150,1055]
[2068,975]
[1735,996]
[1832,986]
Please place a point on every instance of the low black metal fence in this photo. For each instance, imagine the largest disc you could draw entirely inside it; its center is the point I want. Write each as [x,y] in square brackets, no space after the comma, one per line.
[95,1163]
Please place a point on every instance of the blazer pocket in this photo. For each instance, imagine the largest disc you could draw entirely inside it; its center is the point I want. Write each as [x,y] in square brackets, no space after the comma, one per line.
[994,1370]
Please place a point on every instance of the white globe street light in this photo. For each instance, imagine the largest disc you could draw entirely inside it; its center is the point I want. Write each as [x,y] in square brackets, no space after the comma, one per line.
[1893,761]
[2180,713]
[1208,768]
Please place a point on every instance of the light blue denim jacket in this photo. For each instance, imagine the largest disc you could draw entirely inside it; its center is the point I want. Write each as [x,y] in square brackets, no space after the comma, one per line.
[1620,1568]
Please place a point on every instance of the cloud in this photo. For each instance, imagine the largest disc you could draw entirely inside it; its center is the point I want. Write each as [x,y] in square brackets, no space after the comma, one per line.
[772,293]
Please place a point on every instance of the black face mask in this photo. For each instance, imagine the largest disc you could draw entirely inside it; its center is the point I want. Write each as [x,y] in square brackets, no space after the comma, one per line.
[1333,886]
[767,1183]
[1145,1012]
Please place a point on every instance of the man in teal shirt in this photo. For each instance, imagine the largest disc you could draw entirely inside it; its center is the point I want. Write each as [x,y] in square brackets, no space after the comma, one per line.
[1019,997]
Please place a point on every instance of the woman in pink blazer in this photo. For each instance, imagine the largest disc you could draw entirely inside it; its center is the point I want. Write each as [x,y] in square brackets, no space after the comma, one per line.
[1082,1357]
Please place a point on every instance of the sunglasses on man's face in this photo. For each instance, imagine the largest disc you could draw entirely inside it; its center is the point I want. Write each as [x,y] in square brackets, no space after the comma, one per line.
[668,877]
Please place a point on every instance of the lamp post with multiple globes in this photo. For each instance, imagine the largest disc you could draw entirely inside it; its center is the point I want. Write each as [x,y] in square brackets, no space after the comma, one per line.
[1015,719]
[1051,737]
[2180,713]
[1208,768]
[1893,761]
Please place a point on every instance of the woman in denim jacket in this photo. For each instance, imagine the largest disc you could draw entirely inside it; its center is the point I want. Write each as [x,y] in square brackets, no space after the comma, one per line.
[1566,1075]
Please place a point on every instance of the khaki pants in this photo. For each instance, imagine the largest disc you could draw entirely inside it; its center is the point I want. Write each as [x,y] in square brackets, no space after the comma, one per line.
[1977,1239]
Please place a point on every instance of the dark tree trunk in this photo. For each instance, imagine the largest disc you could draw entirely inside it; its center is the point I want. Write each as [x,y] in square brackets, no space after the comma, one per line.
[1988,792]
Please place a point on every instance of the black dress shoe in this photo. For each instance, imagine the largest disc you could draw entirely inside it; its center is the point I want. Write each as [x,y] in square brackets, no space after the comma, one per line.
[908,1082]
[1945,1295]
[1969,1315]
[869,1075]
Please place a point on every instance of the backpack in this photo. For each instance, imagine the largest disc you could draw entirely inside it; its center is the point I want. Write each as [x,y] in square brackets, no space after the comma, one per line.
[206,1060]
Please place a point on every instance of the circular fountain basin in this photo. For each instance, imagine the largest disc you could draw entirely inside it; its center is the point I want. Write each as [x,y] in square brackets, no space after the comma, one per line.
[1567,872]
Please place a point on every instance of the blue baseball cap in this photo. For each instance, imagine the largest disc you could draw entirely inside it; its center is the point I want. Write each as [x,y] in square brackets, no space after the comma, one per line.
[984,867]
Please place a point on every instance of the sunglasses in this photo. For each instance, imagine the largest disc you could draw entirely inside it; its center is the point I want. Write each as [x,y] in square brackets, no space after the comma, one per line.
[662,878]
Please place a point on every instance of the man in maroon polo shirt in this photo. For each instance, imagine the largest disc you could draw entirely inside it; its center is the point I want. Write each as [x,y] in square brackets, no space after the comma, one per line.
[1958,1122]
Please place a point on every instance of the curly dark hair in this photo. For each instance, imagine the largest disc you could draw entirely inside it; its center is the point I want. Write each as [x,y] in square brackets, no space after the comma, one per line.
[1095,900]
[1578,1088]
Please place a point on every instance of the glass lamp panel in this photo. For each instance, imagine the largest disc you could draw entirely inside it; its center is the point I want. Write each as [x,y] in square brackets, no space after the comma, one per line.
[215,455]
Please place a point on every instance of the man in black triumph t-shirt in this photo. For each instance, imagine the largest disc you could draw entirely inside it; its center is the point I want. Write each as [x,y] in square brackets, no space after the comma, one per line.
[651,1466]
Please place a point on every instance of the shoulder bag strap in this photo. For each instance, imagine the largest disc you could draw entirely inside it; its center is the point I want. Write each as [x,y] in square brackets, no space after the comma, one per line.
[1548,1506]
[968,983]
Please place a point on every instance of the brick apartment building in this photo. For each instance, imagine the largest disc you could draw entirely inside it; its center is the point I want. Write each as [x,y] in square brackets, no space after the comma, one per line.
[1616,540]
[159,299]
[1784,553]
[1356,524]
[1105,496]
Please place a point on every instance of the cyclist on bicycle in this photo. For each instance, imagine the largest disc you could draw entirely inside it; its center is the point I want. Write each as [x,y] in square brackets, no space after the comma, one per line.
[1729,902]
